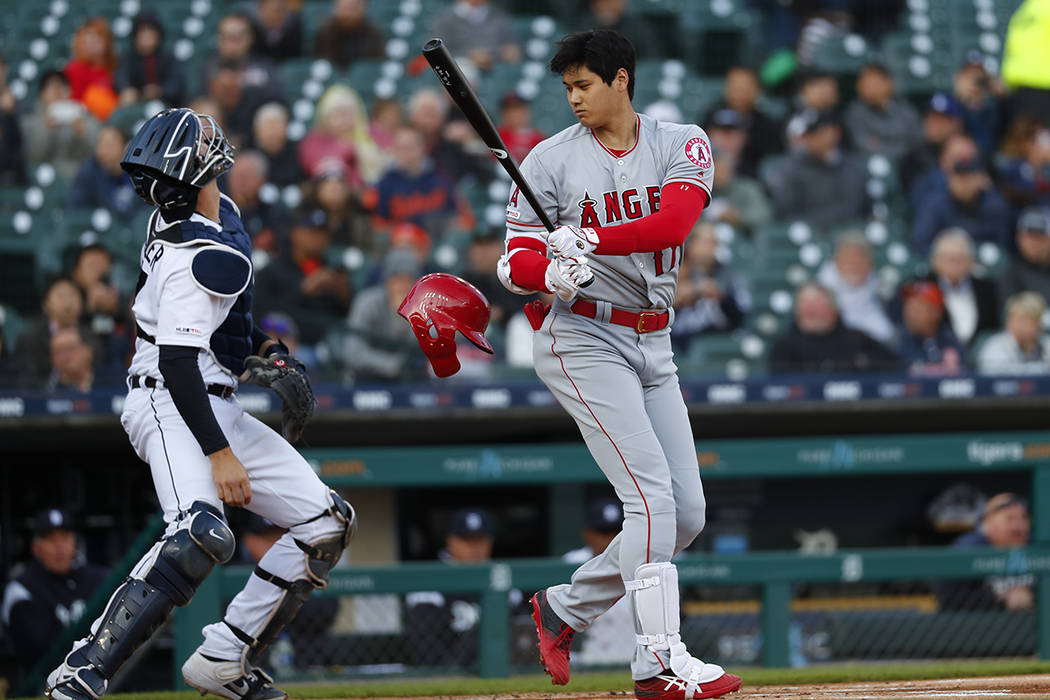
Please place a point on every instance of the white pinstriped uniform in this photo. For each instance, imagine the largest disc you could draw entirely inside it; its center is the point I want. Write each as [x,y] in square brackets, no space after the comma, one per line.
[620,386]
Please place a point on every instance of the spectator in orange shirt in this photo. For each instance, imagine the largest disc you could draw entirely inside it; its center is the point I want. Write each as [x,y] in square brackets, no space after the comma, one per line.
[90,70]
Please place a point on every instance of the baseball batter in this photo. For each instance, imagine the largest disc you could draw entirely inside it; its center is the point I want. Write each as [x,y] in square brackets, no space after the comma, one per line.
[625,190]
[195,339]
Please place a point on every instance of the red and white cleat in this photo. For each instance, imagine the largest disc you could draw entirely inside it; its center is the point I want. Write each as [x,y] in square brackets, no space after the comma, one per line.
[670,687]
[555,639]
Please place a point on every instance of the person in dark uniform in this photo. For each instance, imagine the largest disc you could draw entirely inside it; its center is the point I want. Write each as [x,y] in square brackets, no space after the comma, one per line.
[51,591]
[444,626]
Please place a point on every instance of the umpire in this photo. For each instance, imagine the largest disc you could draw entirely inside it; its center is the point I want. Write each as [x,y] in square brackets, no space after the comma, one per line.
[51,591]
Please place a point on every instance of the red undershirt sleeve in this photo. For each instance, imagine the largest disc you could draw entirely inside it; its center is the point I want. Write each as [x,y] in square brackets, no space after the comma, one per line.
[528,266]
[680,207]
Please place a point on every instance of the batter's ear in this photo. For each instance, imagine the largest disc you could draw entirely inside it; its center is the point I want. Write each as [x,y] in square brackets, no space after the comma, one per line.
[621,80]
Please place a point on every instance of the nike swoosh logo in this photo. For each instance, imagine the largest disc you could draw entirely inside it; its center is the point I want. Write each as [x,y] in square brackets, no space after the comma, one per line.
[217,535]
[239,686]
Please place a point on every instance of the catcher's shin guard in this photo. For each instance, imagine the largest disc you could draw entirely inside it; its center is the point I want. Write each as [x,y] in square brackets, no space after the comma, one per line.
[321,556]
[655,589]
[176,567]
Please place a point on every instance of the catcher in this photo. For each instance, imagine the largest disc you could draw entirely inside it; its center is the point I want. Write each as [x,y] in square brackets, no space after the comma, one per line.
[196,340]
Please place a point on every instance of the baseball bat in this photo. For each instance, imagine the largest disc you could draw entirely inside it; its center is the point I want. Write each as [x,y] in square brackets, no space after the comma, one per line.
[463,95]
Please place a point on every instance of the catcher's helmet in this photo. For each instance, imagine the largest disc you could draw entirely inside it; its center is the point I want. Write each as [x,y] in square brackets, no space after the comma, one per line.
[173,155]
[439,305]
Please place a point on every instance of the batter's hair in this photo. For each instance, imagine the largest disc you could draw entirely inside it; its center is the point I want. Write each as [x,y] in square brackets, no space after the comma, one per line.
[602,51]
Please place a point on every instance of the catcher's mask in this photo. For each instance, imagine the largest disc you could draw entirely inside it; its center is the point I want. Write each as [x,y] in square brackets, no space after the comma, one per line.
[172,156]
[439,305]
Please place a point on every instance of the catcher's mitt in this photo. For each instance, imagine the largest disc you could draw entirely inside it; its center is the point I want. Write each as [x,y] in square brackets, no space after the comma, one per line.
[287,377]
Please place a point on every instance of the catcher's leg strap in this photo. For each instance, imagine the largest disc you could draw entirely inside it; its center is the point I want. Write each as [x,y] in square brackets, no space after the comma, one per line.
[139,606]
[321,556]
[655,590]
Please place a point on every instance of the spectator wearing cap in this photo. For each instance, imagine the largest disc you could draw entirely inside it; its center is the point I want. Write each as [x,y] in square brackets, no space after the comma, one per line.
[59,131]
[609,639]
[1029,269]
[278,30]
[1022,348]
[445,625]
[515,126]
[737,200]
[265,221]
[381,346]
[282,327]
[479,31]
[964,198]
[726,129]
[49,592]
[977,92]
[270,139]
[927,346]
[818,341]
[1023,164]
[817,91]
[823,184]
[348,35]
[971,302]
[349,222]
[942,120]
[302,283]
[764,134]
[850,276]
[148,71]
[341,132]
[414,190]
[101,183]
[12,157]
[1004,524]
[877,120]
[710,297]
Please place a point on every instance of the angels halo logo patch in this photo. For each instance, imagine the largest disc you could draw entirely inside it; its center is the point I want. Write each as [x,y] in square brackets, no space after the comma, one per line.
[699,152]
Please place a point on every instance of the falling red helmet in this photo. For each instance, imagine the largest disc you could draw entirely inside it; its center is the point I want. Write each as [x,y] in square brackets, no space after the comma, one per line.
[438,305]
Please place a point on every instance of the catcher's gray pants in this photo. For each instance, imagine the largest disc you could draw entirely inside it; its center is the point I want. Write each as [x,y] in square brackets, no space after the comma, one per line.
[285,491]
[622,389]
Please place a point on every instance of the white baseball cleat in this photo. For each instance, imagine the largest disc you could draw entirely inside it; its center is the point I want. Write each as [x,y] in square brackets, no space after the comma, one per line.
[229,679]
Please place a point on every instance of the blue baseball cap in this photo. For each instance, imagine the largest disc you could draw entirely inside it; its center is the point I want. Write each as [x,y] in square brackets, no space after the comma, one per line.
[605,515]
[50,519]
[943,103]
[471,522]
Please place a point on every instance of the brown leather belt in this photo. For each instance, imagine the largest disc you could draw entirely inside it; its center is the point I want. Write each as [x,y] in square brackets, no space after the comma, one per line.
[640,321]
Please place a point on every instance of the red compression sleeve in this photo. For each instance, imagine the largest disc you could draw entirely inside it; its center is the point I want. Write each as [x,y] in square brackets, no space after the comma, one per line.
[528,267]
[680,207]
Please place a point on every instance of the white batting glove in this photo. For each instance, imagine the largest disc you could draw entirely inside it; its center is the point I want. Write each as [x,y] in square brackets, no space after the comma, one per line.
[569,241]
[565,276]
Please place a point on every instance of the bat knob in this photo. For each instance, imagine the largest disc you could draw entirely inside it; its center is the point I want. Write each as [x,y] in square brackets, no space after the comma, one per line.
[433,44]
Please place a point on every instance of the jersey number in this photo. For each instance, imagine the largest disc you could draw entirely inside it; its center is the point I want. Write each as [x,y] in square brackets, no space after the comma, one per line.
[658,259]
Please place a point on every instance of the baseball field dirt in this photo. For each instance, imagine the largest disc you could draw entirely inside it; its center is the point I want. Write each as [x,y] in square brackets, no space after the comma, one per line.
[1027,686]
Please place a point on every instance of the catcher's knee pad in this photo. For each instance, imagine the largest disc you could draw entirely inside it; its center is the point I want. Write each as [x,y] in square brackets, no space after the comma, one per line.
[187,557]
[322,555]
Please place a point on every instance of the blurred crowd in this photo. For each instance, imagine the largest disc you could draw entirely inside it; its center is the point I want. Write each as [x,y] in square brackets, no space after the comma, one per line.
[346,216]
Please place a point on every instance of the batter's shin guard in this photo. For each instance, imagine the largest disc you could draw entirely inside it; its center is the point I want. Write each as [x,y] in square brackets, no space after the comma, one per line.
[655,589]
[321,557]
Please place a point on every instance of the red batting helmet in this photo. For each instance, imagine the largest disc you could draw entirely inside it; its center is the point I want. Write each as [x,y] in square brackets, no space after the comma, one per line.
[438,305]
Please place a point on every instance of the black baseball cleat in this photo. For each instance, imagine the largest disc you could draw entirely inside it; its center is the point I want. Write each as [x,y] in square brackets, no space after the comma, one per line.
[229,679]
[555,639]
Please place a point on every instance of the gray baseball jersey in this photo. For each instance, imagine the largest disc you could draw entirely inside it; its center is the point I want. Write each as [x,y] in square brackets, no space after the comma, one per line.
[580,182]
[620,385]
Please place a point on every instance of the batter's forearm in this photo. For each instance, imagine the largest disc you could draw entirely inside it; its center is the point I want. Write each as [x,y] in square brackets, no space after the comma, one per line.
[528,269]
[680,207]
[183,380]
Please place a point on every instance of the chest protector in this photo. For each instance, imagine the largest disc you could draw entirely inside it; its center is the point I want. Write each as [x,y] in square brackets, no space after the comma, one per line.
[232,340]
